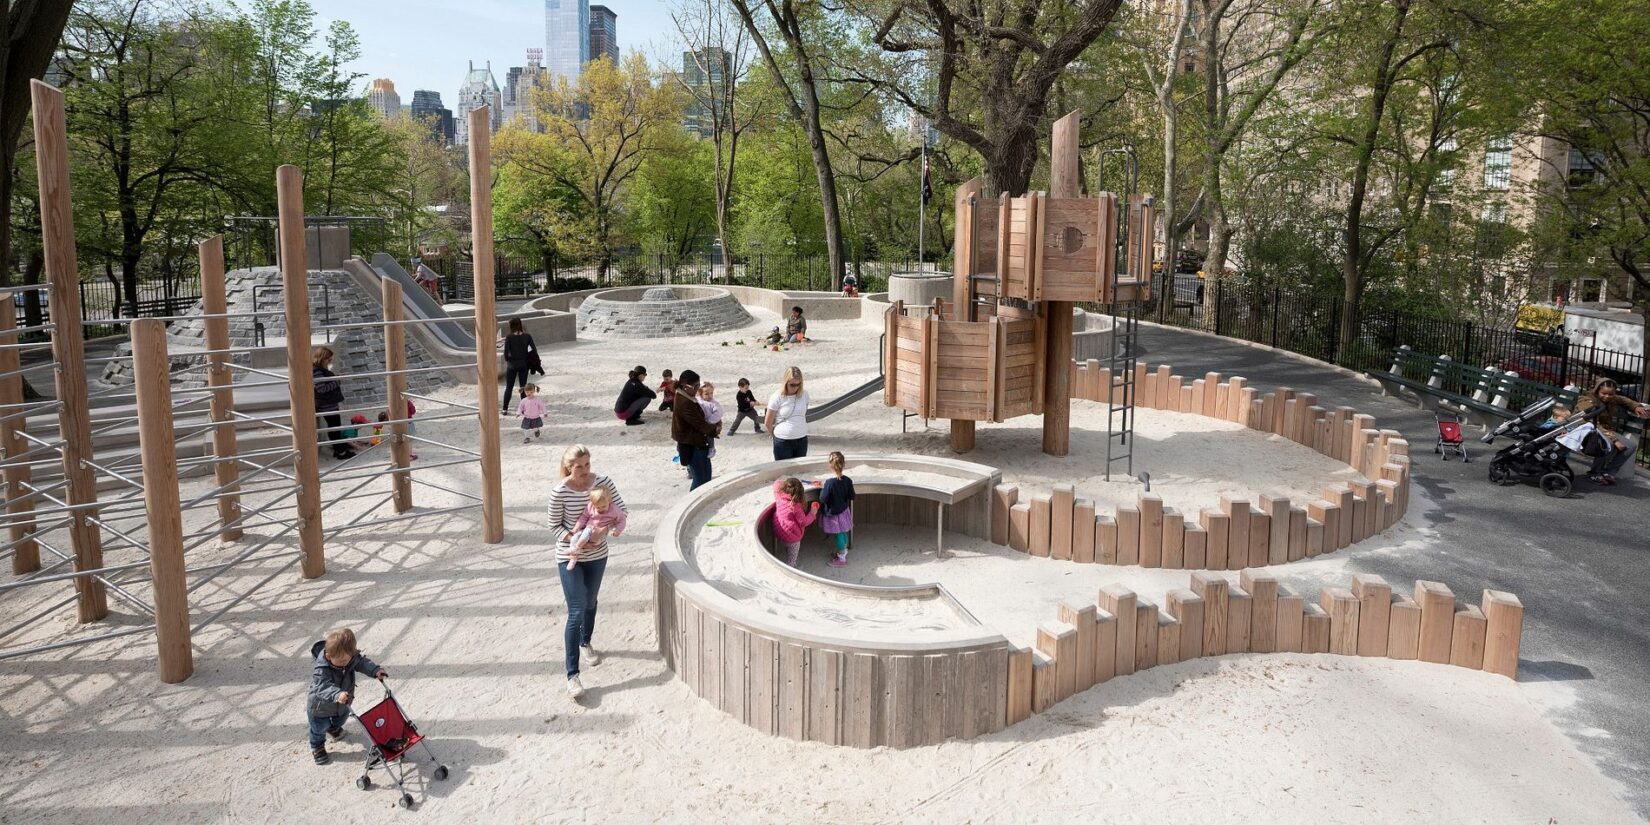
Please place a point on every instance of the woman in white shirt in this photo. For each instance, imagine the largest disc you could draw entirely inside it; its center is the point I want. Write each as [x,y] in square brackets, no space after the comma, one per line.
[787,417]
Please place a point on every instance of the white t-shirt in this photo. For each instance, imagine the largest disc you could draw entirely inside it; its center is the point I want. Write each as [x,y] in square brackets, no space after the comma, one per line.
[790,414]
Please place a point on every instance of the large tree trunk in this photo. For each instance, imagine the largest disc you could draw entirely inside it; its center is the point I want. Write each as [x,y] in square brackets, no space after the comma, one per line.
[29,34]
[1352,252]
[1167,213]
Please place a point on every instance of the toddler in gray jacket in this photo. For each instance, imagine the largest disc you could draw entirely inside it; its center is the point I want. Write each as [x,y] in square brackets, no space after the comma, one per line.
[332,687]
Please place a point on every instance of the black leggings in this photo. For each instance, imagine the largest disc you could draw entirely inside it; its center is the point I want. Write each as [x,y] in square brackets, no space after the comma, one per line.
[514,376]
[334,431]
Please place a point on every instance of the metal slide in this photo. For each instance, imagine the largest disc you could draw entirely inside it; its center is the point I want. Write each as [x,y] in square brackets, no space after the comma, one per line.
[419,304]
[846,399]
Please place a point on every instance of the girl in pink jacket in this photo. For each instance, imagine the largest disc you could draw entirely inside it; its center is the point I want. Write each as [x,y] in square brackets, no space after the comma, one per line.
[791,517]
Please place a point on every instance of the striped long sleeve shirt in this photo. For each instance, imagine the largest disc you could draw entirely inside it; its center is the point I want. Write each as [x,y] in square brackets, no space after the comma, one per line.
[566,505]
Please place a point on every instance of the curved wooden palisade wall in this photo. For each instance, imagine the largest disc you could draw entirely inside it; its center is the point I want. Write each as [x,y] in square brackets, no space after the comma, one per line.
[1238,534]
[1123,634]
[786,678]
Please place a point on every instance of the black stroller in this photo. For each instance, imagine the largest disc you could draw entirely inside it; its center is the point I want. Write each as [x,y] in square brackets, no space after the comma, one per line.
[1537,454]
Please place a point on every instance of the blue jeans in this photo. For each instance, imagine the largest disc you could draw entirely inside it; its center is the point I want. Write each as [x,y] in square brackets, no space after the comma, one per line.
[580,586]
[319,725]
[697,462]
[784,448]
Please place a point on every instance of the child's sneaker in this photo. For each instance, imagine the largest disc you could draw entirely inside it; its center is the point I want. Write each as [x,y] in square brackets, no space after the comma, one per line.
[335,733]
[839,561]
[588,655]
[527,441]
[321,756]
[575,688]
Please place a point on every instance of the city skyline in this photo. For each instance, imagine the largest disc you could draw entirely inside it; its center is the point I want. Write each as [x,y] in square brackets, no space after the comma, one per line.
[425,44]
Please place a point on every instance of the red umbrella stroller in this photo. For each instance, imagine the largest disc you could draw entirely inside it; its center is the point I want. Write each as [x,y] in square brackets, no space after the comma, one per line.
[1449,437]
[392,735]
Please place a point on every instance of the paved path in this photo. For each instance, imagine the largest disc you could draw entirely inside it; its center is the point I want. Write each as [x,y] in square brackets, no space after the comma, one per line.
[1577,563]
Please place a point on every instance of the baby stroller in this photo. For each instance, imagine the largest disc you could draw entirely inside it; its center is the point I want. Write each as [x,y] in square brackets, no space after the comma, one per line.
[392,735]
[1450,441]
[1537,454]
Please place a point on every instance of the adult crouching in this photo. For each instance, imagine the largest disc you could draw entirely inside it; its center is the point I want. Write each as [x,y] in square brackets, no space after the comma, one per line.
[634,397]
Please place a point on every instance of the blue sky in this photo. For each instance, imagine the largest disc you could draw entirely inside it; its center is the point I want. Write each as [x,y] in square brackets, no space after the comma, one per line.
[423,44]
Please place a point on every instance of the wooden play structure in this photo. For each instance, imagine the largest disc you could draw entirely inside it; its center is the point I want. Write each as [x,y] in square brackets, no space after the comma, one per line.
[1021,266]
[116,521]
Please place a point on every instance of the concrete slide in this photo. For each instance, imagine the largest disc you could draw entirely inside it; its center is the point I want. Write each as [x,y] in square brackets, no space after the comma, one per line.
[419,304]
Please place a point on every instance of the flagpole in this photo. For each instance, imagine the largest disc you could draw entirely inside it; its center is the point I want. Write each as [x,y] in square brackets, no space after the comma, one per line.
[922,196]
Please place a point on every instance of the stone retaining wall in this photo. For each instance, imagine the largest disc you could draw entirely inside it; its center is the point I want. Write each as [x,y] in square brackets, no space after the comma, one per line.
[658,312]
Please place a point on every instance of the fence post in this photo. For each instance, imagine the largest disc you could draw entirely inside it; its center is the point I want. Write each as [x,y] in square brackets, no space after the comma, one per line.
[1220,296]
[1277,306]
[1335,330]
[1466,348]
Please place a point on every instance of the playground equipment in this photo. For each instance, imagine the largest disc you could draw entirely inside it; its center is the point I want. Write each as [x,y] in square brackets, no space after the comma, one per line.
[1000,347]
[811,658]
[281,488]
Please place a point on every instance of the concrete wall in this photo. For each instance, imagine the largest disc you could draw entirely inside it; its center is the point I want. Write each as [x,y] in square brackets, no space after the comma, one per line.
[918,288]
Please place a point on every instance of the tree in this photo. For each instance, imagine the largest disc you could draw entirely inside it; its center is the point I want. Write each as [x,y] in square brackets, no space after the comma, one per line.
[720,49]
[673,201]
[794,23]
[1161,47]
[29,34]
[1247,50]
[981,73]
[597,135]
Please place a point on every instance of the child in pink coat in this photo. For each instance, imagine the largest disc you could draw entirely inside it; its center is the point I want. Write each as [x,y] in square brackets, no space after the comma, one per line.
[791,517]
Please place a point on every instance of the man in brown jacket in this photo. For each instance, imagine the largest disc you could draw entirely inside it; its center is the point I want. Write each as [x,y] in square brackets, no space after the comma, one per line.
[690,430]
[1610,422]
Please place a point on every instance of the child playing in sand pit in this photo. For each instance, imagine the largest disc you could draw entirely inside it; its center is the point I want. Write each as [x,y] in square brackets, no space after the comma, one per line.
[332,687]
[796,327]
[836,501]
[747,408]
[599,520]
[713,411]
[775,337]
[531,410]
[791,517]
[667,389]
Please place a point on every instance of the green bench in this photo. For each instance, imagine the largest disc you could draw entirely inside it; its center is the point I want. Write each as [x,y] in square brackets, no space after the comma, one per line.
[1486,395]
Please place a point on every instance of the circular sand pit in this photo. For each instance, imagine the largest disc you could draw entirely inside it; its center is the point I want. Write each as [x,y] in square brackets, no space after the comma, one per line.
[659,312]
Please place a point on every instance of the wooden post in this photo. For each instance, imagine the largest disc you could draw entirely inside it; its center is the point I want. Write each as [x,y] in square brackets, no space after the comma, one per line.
[1505,615]
[486,322]
[1342,608]
[51,150]
[1213,590]
[1239,618]
[1151,530]
[1041,506]
[151,367]
[289,192]
[1063,183]
[1082,532]
[1120,602]
[1374,613]
[1083,619]
[227,471]
[25,557]
[395,398]
[1058,641]
[1019,684]
[1263,610]
[1291,609]
[1145,636]
[1003,497]
[1437,604]
[1403,627]
[1467,638]
[1062,510]
[1128,535]
[1187,608]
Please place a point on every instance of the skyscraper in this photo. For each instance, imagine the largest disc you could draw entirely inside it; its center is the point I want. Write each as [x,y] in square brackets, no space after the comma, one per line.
[383,100]
[704,71]
[566,37]
[479,89]
[520,85]
[426,105]
[604,34]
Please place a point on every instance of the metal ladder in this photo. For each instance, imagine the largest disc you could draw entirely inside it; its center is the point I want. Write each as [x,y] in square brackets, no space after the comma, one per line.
[1125,328]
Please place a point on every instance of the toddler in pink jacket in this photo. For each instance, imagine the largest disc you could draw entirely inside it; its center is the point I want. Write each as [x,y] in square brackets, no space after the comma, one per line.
[791,517]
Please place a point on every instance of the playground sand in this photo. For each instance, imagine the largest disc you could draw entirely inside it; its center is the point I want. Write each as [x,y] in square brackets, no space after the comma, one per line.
[471,634]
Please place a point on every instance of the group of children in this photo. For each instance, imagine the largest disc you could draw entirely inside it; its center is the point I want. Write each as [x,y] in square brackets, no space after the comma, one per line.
[356,433]
[796,330]
[744,400]
[834,509]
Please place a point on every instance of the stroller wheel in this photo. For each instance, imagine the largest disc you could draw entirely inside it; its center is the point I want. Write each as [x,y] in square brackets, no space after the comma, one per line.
[1555,485]
[363,782]
[406,800]
[440,772]
[1499,474]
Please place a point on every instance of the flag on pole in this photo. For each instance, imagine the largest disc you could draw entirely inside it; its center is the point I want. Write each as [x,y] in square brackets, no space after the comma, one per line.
[927,183]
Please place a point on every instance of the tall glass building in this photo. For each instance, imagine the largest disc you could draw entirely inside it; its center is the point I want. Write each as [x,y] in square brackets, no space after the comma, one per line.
[566,37]
[604,34]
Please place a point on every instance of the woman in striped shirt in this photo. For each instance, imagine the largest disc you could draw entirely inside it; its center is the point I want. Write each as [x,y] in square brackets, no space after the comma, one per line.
[581,584]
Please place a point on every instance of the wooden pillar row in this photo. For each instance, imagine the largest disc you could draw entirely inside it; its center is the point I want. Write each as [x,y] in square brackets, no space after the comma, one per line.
[215,302]
[289,193]
[486,323]
[152,367]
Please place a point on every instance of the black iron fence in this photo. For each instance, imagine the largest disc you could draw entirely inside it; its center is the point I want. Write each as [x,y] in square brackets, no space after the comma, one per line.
[102,301]
[517,276]
[1308,322]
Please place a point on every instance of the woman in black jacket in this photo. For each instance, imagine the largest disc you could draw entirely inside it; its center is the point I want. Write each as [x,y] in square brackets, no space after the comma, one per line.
[634,398]
[329,396]
[519,352]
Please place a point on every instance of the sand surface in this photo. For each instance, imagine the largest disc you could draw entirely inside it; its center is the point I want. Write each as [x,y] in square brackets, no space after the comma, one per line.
[472,635]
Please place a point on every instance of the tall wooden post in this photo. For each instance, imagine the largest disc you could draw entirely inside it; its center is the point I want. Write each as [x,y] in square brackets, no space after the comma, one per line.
[1063,183]
[289,193]
[395,394]
[486,321]
[215,302]
[25,556]
[51,149]
[151,367]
